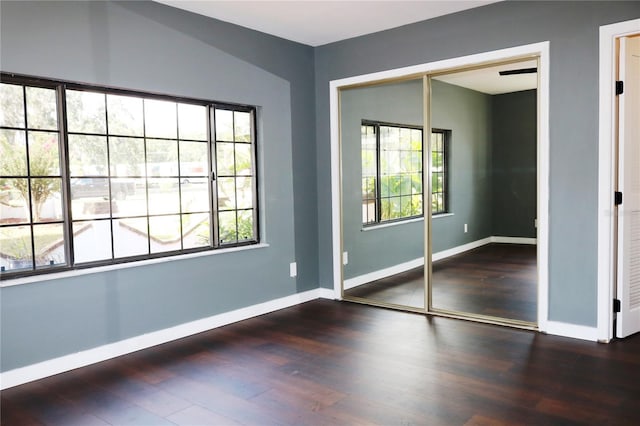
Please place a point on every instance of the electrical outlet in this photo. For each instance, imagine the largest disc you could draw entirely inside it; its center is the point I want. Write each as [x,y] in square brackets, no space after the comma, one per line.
[293,269]
[345,258]
[466,228]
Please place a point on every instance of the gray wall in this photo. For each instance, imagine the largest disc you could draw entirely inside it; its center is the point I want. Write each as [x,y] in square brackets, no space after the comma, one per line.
[467,114]
[514,164]
[148,46]
[151,47]
[572,30]
[379,248]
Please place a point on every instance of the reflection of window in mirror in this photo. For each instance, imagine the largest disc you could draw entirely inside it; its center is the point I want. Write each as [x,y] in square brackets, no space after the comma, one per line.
[391,172]
[439,171]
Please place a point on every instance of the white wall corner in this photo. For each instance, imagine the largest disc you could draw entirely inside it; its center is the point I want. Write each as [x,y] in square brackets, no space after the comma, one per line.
[327,293]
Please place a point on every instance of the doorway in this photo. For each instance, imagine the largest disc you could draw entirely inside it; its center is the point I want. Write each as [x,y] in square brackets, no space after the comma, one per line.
[422,74]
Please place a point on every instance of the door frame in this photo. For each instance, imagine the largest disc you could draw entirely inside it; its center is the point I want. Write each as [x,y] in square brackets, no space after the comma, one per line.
[607,240]
[541,50]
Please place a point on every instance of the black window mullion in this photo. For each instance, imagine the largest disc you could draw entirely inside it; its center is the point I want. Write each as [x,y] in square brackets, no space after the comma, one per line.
[254,176]
[109,189]
[212,180]
[146,174]
[179,176]
[378,212]
[65,172]
[235,171]
[29,201]
[445,173]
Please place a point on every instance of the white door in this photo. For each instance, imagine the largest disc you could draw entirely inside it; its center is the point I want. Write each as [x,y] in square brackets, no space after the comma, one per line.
[628,285]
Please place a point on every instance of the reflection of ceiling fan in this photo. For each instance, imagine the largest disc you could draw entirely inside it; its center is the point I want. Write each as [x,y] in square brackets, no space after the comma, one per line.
[519,71]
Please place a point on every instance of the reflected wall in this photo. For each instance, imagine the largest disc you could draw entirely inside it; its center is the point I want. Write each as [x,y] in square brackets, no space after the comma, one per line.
[379,250]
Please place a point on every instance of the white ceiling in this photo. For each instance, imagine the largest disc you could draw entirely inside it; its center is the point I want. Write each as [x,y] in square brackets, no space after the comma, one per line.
[316,23]
[487,80]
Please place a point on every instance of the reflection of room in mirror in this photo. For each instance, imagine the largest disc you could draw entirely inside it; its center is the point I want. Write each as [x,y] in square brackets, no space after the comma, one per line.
[383,226]
[492,193]
[483,201]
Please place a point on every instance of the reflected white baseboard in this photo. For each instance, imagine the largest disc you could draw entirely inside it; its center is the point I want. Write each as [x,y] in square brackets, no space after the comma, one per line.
[514,240]
[415,263]
[383,273]
[460,249]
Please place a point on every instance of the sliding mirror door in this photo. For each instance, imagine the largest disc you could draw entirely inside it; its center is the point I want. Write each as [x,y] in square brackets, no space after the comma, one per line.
[484,185]
[382,149]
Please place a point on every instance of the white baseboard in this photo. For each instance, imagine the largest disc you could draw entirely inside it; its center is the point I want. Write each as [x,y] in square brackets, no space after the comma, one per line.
[64,363]
[326,293]
[571,330]
[383,273]
[514,240]
[415,263]
[460,249]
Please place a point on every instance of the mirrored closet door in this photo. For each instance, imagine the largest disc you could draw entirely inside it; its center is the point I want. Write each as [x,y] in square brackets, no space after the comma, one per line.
[484,185]
[469,180]
[382,155]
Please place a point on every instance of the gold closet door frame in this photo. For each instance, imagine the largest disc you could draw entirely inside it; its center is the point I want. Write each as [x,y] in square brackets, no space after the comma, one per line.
[542,178]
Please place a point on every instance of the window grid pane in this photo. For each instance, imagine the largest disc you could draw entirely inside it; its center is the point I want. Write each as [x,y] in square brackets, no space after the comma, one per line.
[235,182]
[32,220]
[438,172]
[391,172]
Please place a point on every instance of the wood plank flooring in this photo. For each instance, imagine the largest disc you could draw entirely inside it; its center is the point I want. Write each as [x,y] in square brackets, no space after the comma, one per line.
[338,363]
[498,280]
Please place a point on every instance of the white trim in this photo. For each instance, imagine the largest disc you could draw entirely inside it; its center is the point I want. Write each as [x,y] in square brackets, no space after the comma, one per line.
[390,224]
[403,222]
[571,330]
[64,363]
[415,263]
[119,266]
[441,215]
[536,49]
[606,171]
[514,240]
[326,293]
[459,249]
[383,273]
[543,187]
[336,204]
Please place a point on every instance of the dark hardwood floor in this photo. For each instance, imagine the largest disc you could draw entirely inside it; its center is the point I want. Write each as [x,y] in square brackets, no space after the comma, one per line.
[405,289]
[338,363]
[498,280]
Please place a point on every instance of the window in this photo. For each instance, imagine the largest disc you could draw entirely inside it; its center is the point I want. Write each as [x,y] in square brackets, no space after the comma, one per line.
[392,172]
[93,176]
[439,172]
[31,215]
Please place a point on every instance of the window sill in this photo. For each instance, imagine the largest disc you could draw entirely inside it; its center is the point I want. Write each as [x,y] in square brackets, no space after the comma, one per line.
[438,216]
[78,272]
[398,223]
[403,222]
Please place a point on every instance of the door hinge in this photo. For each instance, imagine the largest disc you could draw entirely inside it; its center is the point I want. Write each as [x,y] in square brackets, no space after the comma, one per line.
[616,305]
[617,198]
[619,87]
